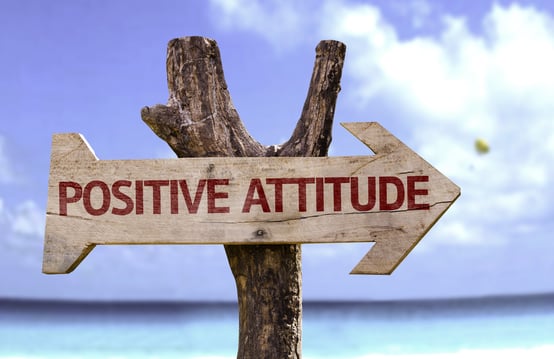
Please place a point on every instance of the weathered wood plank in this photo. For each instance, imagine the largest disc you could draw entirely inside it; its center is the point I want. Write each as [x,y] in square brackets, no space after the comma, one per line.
[392,198]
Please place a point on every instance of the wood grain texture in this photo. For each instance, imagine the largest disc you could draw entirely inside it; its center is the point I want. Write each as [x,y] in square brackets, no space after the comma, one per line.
[327,216]
[200,120]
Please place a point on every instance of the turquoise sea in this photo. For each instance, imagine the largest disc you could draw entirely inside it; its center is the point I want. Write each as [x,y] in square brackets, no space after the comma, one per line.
[507,327]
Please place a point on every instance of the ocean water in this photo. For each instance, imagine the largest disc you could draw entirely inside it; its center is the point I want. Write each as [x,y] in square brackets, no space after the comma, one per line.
[507,327]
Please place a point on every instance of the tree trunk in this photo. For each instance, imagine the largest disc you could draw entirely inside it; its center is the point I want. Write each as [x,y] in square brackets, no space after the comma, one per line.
[200,120]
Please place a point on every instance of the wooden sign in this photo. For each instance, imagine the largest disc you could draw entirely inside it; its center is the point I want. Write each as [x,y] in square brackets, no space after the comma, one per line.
[392,198]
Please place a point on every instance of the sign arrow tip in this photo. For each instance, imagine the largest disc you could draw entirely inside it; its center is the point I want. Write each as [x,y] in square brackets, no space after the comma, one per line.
[392,246]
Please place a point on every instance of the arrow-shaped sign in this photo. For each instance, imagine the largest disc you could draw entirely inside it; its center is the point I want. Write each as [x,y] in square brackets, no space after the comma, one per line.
[392,198]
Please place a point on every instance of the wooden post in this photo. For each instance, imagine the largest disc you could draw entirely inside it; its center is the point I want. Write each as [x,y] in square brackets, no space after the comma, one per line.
[200,120]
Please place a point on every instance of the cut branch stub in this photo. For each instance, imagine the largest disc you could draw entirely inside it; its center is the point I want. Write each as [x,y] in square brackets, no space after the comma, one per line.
[199,119]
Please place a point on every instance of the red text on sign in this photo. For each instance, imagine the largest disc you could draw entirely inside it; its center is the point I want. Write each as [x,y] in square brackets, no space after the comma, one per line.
[268,195]
[389,195]
[122,203]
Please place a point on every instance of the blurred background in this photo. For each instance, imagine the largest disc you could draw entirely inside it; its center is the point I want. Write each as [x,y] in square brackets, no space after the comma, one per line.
[467,85]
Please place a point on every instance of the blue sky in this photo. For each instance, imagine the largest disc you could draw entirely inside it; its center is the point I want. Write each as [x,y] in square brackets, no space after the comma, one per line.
[437,74]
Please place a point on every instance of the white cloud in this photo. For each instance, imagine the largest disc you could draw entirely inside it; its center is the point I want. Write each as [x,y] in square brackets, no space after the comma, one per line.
[460,86]
[21,226]
[274,20]
[21,222]
[28,220]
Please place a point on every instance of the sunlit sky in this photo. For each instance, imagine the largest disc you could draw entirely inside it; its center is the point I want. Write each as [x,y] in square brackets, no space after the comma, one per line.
[437,74]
